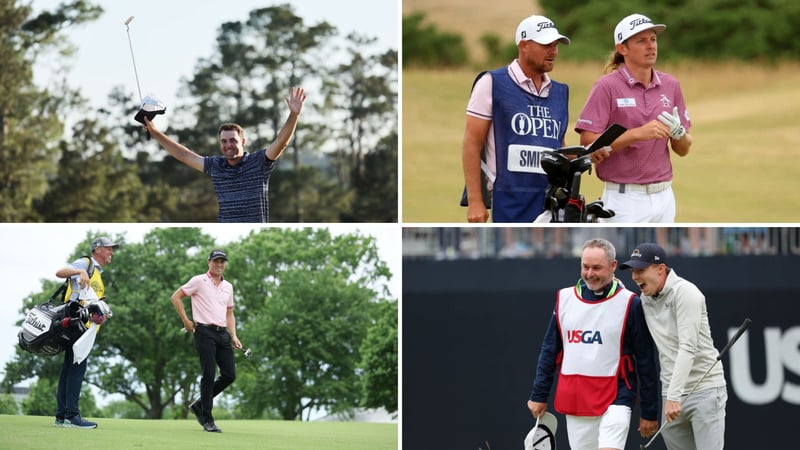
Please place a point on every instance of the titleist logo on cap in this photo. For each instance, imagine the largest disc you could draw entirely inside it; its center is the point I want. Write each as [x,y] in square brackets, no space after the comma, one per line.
[542,25]
[639,21]
[539,27]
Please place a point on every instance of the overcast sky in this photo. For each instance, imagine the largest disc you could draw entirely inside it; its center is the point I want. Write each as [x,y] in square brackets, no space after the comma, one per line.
[169,36]
[33,252]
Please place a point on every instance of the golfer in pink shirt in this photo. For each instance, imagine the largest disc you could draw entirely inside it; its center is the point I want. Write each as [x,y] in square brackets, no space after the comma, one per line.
[214,326]
[636,168]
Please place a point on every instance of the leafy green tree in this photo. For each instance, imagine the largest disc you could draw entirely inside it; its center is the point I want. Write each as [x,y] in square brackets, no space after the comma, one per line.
[305,298]
[379,360]
[365,92]
[29,116]
[426,46]
[95,182]
[696,29]
[123,409]
[8,405]
[323,200]
[378,185]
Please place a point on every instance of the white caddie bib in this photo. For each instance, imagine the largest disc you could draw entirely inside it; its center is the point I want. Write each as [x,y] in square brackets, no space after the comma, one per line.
[526,158]
[592,332]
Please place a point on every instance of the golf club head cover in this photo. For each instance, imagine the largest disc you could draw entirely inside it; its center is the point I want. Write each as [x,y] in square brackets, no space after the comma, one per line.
[98,318]
[573,212]
[596,208]
[557,167]
[150,108]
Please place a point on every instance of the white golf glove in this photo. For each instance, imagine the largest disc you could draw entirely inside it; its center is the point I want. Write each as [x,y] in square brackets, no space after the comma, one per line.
[673,121]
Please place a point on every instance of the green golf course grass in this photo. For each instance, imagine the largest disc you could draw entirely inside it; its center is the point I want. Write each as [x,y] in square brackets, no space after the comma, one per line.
[37,432]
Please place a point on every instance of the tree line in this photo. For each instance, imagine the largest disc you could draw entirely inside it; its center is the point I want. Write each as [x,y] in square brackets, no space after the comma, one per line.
[341,165]
[715,30]
[315,310]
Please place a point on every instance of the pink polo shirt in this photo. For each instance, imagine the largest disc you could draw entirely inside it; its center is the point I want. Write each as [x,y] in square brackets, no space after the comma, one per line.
[480,103]
[619,98]
[210,301]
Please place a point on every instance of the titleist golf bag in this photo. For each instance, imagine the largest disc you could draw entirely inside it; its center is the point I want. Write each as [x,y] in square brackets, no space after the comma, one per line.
[49,329]
[563,200]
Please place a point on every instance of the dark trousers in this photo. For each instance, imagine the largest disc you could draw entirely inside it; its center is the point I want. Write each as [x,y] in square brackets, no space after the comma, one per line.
[215,349]
[69,386]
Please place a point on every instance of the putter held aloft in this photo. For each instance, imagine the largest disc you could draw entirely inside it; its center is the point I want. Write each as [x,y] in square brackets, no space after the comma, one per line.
[149,106]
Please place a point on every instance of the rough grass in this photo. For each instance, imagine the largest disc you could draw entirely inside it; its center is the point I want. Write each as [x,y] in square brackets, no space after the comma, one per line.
[743,165]
[35,432]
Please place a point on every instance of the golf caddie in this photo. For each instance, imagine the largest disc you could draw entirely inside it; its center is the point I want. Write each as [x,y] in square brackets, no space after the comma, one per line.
[83,273]
[213,325]
[598,343]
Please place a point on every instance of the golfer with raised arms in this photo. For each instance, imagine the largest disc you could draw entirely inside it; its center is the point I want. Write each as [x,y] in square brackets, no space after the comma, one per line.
[241,179]
[214,326]
[636,168]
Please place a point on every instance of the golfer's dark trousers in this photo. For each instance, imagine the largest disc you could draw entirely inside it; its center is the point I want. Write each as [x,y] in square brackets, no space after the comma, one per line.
[214,346]
[69,386]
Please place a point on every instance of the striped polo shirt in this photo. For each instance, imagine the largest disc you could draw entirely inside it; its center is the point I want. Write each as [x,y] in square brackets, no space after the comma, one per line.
[242,190]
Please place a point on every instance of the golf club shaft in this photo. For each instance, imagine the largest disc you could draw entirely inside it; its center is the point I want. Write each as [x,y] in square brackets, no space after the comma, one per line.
[745,325]
[135,72]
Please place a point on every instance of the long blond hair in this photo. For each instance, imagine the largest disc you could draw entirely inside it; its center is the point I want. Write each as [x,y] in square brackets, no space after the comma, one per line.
[615,59]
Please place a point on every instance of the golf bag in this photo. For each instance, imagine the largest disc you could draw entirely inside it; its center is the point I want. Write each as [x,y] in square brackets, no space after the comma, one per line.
[563,200]
[46,332]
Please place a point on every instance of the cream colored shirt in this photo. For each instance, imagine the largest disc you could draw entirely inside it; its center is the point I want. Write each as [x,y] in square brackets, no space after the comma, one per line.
[678,321]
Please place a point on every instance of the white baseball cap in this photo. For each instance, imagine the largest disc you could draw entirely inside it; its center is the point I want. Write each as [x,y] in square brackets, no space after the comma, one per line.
[633,24]
[542,436]
[539,29]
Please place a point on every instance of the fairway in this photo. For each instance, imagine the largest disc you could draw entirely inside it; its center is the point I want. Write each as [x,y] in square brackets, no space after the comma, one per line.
[37,432]
[742,167]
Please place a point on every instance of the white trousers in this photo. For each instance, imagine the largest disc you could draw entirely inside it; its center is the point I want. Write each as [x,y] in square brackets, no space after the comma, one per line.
[639,207]
[607,431]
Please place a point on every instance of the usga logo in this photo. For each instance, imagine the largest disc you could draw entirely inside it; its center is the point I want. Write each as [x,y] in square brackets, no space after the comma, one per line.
[584,337]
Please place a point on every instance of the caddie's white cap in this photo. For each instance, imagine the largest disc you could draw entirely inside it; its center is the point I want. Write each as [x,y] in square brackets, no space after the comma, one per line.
[633,24]
[539,29]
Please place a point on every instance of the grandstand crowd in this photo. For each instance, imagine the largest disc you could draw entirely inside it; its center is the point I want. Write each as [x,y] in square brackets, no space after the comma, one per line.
[560,242]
